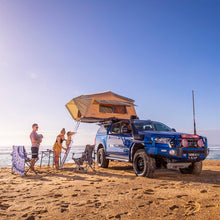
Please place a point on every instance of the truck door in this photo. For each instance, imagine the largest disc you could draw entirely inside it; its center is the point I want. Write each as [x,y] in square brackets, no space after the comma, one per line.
[114,141]
[126,135]
[118,143]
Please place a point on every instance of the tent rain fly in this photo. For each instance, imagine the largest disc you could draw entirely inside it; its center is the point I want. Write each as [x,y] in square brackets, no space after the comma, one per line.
[101,106]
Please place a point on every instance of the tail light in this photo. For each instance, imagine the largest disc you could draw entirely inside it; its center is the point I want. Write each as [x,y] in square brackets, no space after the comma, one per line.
[95,141]
[184,143]
[200,143]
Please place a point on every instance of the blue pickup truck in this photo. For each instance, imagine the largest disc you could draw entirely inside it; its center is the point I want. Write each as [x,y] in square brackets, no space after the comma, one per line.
[149,145]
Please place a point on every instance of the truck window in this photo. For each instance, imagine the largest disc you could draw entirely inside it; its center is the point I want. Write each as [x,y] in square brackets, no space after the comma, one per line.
[161,127]
[142,125]
[115,128]
[103,129]
[125,128]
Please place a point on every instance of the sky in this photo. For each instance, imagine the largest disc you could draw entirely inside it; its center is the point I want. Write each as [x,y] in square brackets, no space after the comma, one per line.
[153,51]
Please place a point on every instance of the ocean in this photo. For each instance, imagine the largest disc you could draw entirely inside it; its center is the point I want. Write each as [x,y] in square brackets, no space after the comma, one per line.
[5,154]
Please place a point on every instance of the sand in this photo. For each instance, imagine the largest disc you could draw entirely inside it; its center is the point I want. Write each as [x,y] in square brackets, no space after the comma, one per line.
[112,193]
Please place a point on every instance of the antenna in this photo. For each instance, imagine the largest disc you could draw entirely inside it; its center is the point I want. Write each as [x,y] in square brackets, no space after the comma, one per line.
[194,120]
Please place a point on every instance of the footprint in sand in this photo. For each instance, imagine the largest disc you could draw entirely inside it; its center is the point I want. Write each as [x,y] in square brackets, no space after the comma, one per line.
[161,199]
[88,201]
[210,206]
[203,191]
[26,208]
[135,189]
[96,195]
[191,208]
[98,204]
[119,215]
[58,195]
[149,191]
[174,207]
[25,215]
[39,199]
[4,206]
[149,202]
[65,205]
[12,197]
[39,184]
[180,196]
[38,212]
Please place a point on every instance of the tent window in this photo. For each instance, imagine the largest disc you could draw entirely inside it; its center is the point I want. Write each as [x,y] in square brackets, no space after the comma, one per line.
[121,109]
[105,109]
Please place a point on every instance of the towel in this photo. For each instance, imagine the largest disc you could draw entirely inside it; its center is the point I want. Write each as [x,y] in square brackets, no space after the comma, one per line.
[18,159]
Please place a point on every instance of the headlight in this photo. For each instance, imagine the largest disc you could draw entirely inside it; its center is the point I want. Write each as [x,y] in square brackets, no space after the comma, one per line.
[162,140]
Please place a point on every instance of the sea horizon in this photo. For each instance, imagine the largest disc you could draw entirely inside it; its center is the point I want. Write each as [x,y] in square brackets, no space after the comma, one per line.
[5,153]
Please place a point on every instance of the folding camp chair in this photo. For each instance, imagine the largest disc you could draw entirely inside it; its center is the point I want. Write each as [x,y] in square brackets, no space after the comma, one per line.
[19,159]
[87,157]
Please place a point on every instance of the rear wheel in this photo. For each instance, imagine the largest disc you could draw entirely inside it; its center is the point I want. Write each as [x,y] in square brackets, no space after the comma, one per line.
[143,164]
[195,168]
[101,160]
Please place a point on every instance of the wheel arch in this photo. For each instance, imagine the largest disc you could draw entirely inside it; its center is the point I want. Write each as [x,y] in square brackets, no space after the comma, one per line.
[134,148]
[99,147]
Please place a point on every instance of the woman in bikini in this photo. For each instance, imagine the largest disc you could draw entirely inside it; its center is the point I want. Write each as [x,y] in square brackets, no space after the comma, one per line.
[57,147]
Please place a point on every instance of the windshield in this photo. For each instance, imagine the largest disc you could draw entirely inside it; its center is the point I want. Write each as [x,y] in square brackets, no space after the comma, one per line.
[142,125]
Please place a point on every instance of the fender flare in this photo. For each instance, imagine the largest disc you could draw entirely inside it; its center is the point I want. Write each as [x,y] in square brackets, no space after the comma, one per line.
[134,148]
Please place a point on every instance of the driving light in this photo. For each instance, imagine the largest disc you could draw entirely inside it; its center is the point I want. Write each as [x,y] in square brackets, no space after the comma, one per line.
[173,152]
[162,140]
[200,143]
[184,143]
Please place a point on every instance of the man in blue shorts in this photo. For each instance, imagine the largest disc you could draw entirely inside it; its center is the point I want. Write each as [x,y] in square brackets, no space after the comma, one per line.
[36,139]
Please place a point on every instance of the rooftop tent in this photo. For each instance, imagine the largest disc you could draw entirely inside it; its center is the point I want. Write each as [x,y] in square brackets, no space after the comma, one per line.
[100,106]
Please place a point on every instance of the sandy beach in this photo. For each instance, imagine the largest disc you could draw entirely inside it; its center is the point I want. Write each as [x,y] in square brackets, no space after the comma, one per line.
[113,193]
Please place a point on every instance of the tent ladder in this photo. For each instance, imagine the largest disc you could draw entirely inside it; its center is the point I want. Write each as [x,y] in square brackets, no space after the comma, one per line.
[67,153]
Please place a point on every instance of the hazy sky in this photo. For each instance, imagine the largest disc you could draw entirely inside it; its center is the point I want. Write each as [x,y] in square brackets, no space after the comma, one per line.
[155,52]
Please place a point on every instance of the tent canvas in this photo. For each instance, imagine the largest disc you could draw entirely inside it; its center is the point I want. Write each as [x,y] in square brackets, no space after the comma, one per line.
[100,106]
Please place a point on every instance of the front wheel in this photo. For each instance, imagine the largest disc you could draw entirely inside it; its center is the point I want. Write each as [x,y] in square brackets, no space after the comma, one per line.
[143,164]
[195,168]
[101,160]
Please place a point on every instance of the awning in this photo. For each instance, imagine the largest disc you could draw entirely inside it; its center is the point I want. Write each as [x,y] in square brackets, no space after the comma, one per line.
[112,102]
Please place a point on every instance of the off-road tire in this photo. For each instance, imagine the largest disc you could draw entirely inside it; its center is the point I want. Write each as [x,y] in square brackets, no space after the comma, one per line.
[101,160]
[143,164]
[195,168]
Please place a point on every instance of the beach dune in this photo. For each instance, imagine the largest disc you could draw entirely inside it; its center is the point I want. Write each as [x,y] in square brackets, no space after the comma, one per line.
[113,193]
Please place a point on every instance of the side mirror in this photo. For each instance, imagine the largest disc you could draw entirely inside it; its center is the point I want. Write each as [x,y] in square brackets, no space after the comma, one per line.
[173,129]
[139,137]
